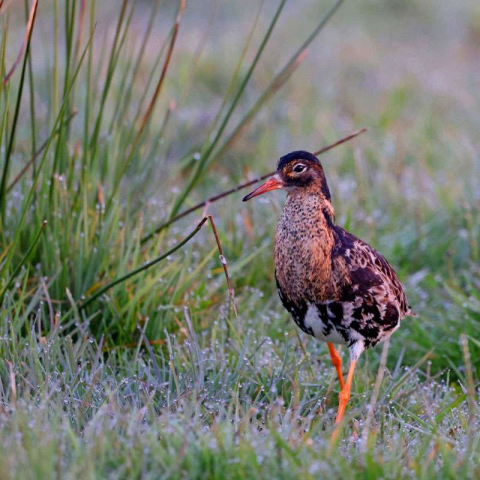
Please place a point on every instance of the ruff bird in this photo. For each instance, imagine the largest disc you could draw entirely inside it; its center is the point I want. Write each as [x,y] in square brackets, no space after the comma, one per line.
[336,287]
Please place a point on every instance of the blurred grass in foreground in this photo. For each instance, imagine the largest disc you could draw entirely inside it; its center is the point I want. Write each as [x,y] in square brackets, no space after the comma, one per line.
[142,113]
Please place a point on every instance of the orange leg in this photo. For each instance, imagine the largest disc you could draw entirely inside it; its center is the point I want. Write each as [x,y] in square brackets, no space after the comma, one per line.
[337,363]
[344,396]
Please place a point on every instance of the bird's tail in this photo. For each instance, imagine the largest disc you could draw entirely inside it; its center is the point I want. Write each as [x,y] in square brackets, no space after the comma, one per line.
[410,312]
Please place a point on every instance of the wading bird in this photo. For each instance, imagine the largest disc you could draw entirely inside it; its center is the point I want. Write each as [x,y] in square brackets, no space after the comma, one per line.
[336,287]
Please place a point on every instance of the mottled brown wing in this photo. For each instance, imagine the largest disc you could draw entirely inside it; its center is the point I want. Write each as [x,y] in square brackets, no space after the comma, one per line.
[371,276]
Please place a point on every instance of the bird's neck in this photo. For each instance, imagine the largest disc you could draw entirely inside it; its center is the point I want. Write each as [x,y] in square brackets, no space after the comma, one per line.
[304,244]
[310,207]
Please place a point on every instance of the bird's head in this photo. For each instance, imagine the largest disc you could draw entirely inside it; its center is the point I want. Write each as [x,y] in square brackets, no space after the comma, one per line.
[298,172]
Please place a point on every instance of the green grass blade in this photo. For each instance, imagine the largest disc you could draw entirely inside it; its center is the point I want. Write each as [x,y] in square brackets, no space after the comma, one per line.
[201,164]
[143,267]
[13,131]
[22,261]
[280,79]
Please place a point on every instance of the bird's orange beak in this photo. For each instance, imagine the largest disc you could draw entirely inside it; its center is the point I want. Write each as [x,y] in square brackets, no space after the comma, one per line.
[273,183]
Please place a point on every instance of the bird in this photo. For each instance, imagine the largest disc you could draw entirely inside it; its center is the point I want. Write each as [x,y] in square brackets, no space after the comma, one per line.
[336,287]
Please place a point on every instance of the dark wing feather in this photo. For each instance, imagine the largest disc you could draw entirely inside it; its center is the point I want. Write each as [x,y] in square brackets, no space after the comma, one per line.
[371,278]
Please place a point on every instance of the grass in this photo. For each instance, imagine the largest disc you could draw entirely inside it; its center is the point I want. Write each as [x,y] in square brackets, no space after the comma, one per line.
[124,122]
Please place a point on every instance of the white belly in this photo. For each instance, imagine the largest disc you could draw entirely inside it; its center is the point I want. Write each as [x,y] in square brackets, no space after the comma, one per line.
[313,321]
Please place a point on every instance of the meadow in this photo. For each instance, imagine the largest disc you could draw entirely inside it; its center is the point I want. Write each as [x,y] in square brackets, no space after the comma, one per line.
[121,354]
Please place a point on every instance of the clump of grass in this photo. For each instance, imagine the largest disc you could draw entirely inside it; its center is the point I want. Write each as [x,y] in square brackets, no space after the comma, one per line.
[213,406]
[91,239]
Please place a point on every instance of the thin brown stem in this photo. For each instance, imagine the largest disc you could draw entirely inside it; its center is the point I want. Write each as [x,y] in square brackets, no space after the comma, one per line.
[339,142]
[155,95]
[158,88]
[26,39]
[81,21]
[223,261]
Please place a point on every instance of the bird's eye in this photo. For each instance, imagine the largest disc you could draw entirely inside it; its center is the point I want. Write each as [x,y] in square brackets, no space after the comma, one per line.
[299,168]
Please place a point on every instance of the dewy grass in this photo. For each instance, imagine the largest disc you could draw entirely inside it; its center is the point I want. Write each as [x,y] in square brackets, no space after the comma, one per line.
[157,378]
